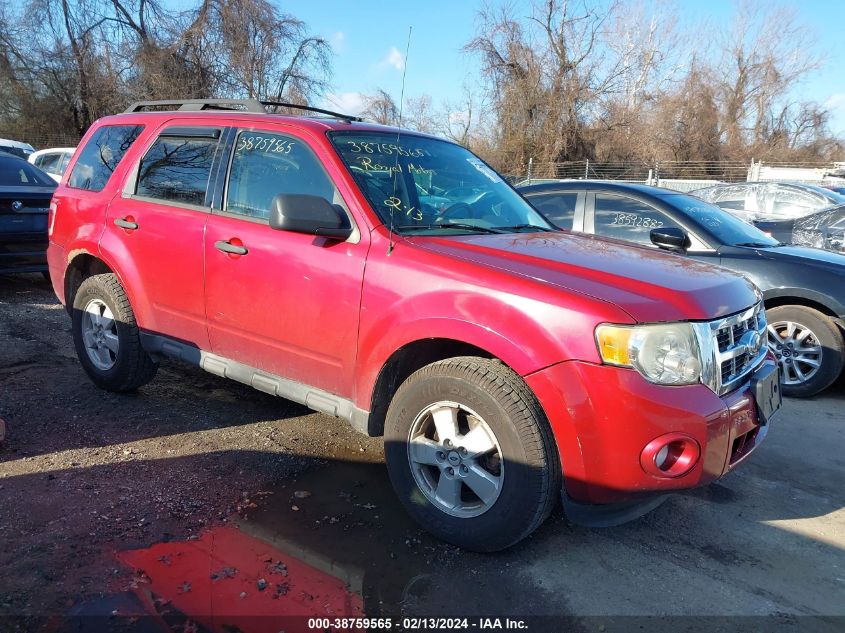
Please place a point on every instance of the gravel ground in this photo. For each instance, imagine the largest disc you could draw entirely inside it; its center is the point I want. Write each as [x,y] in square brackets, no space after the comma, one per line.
[86,475]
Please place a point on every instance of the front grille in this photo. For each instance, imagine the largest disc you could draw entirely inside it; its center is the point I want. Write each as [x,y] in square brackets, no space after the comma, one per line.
[739,345]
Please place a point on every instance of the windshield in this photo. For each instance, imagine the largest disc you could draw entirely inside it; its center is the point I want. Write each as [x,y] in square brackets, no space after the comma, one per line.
[423,185]
[835,197]
[726,228]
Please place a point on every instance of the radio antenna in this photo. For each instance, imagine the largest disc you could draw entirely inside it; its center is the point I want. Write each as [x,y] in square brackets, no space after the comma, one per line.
[396,166]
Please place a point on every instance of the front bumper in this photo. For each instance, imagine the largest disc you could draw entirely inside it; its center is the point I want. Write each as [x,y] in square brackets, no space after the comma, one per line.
[603,417]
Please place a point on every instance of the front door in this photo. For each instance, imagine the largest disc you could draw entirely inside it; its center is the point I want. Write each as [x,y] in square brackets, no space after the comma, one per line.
[286,303]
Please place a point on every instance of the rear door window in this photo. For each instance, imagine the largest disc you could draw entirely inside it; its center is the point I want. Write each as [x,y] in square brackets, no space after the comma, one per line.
[101,155]
[177,166]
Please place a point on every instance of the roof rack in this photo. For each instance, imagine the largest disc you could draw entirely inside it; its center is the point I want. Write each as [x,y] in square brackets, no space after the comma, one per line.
[337,115]
[241,105]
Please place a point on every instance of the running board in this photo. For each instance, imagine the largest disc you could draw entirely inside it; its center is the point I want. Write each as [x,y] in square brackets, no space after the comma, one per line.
[311,397]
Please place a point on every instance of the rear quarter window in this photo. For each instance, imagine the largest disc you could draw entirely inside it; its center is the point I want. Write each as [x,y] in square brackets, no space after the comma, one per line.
[101,156]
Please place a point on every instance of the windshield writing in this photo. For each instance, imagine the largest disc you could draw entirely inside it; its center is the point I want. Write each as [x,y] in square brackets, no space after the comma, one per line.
[423,185]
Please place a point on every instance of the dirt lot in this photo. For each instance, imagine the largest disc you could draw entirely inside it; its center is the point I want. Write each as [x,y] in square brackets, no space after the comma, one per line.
[188,496]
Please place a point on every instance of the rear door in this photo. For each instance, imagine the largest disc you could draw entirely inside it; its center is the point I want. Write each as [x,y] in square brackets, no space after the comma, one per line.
[286,303]
[157,223]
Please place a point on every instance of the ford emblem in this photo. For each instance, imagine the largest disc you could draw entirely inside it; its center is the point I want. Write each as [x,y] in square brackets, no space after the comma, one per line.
[752,341]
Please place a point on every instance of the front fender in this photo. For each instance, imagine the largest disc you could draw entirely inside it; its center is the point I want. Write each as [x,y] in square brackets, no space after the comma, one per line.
[527,334]
[376,350]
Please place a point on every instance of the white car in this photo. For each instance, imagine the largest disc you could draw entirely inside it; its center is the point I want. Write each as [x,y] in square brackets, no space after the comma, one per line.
[22,150]
[53,160]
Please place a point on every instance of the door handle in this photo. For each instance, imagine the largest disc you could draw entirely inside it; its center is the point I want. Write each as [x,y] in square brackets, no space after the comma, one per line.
[232,249]
[126,223]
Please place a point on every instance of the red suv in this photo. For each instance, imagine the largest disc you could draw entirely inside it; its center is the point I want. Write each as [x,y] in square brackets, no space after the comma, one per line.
[395,280]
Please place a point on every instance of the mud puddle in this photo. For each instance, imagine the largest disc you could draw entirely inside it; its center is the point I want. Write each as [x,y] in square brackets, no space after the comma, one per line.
[332,542]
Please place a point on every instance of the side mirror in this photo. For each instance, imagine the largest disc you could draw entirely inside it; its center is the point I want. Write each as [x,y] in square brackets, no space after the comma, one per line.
[670,238]
[312,215]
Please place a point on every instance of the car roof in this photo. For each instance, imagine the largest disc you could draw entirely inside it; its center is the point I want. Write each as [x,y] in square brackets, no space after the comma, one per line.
[315,124]
[51,150]
[19,144]
[604,185]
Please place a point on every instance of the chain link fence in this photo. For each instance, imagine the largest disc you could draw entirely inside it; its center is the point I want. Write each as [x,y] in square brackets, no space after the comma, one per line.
[682,175]
[41,141]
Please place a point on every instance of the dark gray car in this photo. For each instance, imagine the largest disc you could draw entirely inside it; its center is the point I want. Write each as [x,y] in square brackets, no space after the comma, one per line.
[25,193]
[803,288]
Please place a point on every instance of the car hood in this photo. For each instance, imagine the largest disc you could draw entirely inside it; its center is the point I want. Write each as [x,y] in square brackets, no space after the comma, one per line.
[650,285]
[804,255]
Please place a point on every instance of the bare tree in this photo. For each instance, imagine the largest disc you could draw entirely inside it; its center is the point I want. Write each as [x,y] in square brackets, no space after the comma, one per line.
[381,108]
[764,56]
[418,114]
[64,63]
[573,80]
[546,76]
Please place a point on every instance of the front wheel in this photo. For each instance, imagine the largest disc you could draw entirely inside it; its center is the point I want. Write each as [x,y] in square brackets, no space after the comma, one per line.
[809,348]
[470,453]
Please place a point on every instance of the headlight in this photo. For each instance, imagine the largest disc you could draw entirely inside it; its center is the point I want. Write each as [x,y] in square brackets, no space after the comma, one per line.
[665,354]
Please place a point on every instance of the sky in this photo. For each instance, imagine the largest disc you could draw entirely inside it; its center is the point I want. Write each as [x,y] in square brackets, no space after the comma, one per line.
[370,39]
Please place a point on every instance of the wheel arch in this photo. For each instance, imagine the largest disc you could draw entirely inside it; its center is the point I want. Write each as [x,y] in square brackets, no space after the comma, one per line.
[403,362]
[81,265]
[807,299]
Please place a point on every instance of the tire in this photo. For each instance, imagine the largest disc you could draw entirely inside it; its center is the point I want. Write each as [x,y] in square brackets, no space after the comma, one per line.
[798,326]
[523,464]
[127,366]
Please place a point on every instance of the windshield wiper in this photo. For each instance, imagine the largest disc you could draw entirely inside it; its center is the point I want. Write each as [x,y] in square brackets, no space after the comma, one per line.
[517,227]
[758,244]
[449,225]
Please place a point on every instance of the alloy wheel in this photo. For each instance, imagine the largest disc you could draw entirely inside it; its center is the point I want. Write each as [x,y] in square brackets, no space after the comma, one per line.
[455,459]
[99,334]
[797,349]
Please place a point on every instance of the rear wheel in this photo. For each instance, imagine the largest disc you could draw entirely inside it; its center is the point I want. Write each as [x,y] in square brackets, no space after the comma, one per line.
[809,348]
[106,336]
[470,453]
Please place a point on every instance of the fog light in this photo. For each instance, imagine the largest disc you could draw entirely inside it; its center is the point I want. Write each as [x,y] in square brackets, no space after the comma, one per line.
[671,455]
